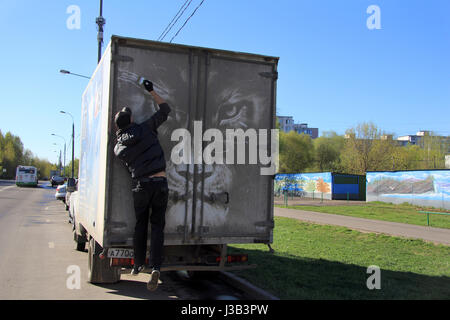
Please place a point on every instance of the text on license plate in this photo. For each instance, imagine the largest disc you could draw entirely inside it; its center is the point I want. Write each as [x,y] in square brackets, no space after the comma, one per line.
[120,253]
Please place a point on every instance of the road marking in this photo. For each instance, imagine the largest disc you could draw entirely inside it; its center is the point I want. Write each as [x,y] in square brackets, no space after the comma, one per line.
[51,245]
[6,188]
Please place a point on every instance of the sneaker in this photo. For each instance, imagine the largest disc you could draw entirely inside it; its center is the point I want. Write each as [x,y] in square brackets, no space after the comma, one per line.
[137,269]
[152,284]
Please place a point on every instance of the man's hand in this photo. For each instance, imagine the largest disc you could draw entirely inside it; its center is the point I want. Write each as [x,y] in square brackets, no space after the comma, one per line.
[148,85]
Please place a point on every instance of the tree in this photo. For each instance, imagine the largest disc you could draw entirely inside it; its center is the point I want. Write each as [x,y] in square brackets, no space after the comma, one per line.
[12,154]
[366,149]
[327,149]
[296,152]
[434,149]
[10,159]
[429,153]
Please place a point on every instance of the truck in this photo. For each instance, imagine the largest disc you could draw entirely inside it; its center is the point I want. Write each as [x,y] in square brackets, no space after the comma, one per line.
[210,205]
[54,173]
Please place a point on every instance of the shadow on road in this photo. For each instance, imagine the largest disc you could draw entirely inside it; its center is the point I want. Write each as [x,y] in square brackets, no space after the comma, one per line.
[173,287]
[135,289]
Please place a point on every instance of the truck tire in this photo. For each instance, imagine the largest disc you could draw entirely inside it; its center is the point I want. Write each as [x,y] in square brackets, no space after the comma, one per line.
[80,240]
[99,271]
[80,244]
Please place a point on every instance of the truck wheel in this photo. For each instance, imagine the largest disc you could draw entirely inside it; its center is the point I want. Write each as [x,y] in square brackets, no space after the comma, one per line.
[80,241]
[80,244]
[99,271]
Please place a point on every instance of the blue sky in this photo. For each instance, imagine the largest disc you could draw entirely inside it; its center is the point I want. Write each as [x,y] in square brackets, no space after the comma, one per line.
[333,72]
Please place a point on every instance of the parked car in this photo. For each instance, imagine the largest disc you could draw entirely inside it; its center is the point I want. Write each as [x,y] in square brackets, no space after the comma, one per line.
[72,205]
[71,188]
[61,192]
[57,180]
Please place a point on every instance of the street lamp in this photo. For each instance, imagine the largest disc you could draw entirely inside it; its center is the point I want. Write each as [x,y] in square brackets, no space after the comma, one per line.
[59,160]
[73,140]
[75,74]
[64,151]
[59,164]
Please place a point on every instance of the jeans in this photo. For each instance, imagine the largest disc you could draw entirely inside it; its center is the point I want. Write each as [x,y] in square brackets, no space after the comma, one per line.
[150,195]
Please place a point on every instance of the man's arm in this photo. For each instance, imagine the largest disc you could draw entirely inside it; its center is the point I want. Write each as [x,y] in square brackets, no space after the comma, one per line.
[161,115]
[157,98]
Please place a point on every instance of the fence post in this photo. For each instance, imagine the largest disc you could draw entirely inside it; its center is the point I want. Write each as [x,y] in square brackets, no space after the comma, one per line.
[285,198]
[347,197]
[428,219]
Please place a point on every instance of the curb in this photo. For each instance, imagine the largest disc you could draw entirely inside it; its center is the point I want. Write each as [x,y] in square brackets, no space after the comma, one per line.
[246,286]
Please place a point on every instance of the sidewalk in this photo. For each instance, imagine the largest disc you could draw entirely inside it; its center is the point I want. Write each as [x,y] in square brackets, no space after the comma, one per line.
[436,235]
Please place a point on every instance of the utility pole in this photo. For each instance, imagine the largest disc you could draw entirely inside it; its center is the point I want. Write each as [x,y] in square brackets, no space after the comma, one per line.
[73,140]
[73,147]
[64,159]
[60,164]
[100,22]
[64,151]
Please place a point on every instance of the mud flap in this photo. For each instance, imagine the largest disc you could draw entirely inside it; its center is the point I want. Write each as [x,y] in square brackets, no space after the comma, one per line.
[99,270]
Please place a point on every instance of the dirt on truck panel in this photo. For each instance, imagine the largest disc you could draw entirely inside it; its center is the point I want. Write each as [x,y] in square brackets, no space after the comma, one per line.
[209,204]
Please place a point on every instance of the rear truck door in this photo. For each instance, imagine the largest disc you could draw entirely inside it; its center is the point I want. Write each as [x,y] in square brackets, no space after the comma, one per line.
[173,73]
[233,201]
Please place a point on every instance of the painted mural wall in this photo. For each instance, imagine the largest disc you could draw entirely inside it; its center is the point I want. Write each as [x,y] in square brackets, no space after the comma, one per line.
[309,185]
[424,188]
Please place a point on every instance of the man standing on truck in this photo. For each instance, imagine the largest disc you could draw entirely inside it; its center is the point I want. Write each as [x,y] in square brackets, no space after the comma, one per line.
[139,149]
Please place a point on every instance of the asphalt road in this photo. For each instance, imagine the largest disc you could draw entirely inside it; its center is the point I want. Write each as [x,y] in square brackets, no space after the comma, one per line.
[38,259]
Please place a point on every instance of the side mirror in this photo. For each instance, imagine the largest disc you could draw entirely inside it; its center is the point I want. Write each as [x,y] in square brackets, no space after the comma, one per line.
[71,185]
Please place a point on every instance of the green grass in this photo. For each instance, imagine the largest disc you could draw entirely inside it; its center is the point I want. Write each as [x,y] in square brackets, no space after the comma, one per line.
[403,213]
[327,262]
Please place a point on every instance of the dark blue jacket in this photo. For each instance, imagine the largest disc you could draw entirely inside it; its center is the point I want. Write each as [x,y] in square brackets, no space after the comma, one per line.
[138,146]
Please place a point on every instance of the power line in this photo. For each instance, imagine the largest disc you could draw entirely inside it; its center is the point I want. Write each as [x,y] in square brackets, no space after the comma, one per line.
[164,33]
[187,20]
[172,23]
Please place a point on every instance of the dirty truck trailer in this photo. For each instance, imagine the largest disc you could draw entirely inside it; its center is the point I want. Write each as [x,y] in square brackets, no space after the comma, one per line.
[209,206]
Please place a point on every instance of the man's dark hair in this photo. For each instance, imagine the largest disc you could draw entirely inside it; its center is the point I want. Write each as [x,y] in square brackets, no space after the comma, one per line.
[123,118]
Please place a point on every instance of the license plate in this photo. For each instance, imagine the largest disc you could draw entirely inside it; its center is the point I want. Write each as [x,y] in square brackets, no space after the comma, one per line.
[120,253]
